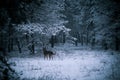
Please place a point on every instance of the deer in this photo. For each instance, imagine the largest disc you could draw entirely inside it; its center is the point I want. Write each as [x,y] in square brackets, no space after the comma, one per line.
[48,54]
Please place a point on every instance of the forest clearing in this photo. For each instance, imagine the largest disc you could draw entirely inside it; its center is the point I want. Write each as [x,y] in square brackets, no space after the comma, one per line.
[73,64]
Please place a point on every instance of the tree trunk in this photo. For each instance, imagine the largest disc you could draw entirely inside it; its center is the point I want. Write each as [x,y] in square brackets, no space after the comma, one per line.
[116,40]
[93,40]
[10,38]
[87,35]
[81,39]
[52,41]
[9,45]
[78,37]
[32,45]
[104,45]
[64,38]
[76,42]
[18,45]
[116,43]
[27,38]
[3,43]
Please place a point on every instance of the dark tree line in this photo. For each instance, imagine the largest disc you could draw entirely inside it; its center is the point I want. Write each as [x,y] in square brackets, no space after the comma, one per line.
[94,23]
[12,12]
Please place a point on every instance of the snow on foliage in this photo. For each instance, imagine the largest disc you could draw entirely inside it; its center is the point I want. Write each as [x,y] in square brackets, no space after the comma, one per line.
[42,29]
[31,27]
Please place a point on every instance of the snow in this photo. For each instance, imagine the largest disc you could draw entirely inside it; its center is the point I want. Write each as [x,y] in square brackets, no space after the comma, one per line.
[70,65]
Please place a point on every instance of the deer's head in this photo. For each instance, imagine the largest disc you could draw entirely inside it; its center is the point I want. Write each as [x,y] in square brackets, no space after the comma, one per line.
[44,48]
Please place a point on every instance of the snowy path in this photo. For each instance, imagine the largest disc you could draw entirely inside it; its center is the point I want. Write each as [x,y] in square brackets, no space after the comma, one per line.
[78,66]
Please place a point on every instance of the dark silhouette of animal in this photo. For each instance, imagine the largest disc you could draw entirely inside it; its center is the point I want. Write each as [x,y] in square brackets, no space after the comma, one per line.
[48,54]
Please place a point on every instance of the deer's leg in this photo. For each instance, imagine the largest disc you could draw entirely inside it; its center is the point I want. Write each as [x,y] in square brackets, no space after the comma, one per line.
[51,57]
[44,57]
[47,57]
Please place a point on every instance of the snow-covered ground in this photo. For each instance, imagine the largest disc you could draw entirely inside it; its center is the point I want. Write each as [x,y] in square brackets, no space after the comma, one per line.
[72,64]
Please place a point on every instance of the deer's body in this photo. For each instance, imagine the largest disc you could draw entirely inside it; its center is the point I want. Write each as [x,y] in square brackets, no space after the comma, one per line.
[48,54]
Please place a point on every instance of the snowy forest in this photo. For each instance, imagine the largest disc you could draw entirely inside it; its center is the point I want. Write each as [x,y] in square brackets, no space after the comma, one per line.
[59,40]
